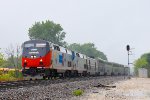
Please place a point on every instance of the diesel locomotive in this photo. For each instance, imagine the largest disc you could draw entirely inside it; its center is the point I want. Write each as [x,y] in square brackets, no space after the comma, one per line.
[43,59]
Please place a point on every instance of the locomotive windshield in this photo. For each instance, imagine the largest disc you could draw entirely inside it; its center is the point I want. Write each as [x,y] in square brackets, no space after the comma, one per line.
[36,48]
[40,44]
[29,45]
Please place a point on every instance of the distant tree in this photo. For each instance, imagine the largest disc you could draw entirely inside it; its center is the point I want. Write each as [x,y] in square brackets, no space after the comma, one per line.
[49,31]
[146,56]
[10,63]
[88,49]
[2,60]
[13,57]
[142,62]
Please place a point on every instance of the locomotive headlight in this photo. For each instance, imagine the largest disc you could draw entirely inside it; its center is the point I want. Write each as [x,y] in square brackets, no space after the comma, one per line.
[25,63]
[41,60]
[32,56]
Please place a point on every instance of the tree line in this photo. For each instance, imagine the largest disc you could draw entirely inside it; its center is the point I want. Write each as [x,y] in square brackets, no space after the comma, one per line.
[52,32]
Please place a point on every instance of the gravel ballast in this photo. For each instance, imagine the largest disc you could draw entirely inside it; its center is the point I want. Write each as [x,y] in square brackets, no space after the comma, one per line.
[60,91]
[133,89]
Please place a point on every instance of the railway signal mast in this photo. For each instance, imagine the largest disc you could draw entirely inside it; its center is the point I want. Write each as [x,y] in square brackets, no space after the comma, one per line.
[128,49]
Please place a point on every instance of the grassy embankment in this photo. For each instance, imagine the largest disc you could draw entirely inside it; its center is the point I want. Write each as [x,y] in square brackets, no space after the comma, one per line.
[10,75]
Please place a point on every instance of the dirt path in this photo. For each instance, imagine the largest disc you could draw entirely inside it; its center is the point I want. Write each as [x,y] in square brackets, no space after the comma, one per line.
[133,89]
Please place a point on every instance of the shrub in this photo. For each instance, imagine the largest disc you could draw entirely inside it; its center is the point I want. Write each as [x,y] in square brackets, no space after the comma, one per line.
[15,73]
[77,92]
[19,75]
[11,75]
[6,77]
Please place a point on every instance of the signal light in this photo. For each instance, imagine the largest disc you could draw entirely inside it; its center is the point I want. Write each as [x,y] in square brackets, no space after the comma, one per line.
[128,48]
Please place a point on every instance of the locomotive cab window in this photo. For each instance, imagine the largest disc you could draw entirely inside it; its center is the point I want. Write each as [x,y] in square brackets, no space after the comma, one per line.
[41,45]
[29,45]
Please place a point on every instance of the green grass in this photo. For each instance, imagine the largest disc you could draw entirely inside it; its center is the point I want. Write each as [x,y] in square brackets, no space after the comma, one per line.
[11,76]
[77,92]
[7,77]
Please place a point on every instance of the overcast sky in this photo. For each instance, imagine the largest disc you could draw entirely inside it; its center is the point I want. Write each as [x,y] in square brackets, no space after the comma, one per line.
[109,24]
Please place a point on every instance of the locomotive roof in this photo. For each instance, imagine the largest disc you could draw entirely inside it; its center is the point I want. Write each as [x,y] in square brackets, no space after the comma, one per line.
[35,41]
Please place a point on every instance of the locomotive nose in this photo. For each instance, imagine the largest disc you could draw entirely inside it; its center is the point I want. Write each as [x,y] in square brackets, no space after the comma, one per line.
[36,53]
[35,62]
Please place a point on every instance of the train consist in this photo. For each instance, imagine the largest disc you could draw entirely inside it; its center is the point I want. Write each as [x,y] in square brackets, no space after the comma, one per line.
[44,59]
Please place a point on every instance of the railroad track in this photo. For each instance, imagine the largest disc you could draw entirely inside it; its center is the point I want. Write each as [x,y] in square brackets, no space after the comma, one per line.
[4,86]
